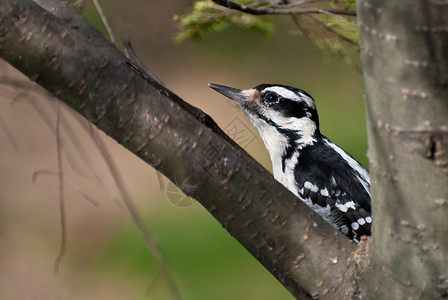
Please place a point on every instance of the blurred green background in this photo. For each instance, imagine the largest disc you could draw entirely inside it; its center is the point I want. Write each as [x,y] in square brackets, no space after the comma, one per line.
[106,256]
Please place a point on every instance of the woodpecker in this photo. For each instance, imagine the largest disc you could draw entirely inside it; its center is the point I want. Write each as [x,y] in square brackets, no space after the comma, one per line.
[317,171]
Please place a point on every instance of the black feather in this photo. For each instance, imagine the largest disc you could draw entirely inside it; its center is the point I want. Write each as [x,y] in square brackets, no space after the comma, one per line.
[317,164]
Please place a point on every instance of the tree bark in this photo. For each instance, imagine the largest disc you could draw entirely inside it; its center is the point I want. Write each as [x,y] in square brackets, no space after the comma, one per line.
[59,50]
[405,68]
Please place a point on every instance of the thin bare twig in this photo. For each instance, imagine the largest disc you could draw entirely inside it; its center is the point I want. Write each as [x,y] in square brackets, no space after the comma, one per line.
[133,211]
[160,179]
[79,4]
[331,29]
[241,7]
[309,35]
[281,10]
[16,83]
[68,181]
[61,123]
[77,145]
[130,53]
[105,22]
[83,154]
[5,128]
[46,116]
[63,246]
[329,13]
[294,4]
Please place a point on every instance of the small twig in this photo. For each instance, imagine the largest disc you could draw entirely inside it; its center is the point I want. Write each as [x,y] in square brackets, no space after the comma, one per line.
[79,4]
[216,7]
[60,123]
[22,93]
[309,35]
[77,145]
[153,284]
[25,87]
[306,32]
[105,22]
[62,248]
[207,17]
[133,211]
[68,181]
[4,127]
[194,111]
[160,179]
[140,66]
[241,7]
[47,119]
[16,83]
[83,153]
[279,10]
[330,29]
[294,4]
[329,13]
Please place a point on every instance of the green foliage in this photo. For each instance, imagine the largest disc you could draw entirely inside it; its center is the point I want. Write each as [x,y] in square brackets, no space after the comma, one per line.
[201,257]
[333,35]
[208,18]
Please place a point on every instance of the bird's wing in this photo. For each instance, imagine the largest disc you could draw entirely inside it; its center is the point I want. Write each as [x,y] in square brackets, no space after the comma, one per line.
[331,186]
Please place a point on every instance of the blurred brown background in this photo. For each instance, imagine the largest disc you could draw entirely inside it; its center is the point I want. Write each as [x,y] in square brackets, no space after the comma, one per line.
[106,257]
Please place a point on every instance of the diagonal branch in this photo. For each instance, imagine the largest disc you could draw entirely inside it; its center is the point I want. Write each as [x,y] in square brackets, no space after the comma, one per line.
[90,75]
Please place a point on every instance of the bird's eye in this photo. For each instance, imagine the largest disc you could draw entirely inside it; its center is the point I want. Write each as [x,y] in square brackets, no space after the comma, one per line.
[271,97]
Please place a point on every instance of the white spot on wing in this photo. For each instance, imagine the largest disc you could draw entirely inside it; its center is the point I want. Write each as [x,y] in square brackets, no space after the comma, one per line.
[355,225]
[350,204]
[368,220]
[361,221]
[308,185]
[341,207]
[324,192]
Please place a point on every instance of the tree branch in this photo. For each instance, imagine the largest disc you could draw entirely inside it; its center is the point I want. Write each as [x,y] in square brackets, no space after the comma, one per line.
[81,68]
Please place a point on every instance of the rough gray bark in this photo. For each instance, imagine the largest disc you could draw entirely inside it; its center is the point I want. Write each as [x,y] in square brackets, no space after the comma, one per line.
[61,52]
[405,67]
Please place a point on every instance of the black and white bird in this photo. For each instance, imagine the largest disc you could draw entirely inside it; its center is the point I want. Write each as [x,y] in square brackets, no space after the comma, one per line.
[306,162]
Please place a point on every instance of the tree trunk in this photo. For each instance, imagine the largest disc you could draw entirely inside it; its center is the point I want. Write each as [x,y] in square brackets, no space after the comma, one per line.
[404,50]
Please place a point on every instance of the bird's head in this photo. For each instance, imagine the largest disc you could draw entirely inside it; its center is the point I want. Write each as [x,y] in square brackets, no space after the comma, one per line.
[277,110]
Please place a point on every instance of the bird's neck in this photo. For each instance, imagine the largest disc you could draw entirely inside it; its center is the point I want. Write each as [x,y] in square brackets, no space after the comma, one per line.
[283,144]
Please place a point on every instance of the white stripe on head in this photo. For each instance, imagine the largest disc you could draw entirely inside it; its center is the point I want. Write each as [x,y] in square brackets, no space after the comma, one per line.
[286,93]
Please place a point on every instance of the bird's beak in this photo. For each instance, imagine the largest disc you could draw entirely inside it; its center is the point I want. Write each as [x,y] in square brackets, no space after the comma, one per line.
[235,94]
